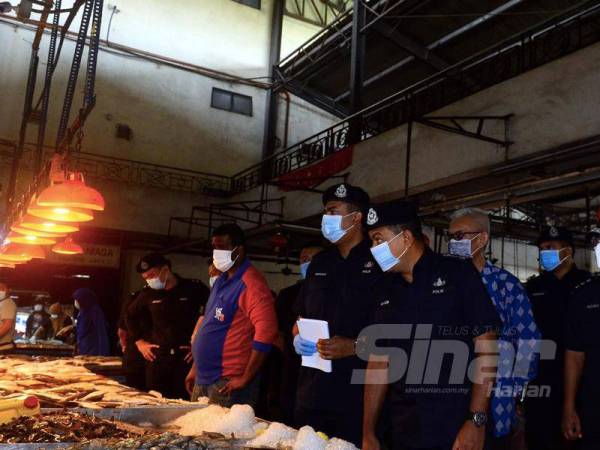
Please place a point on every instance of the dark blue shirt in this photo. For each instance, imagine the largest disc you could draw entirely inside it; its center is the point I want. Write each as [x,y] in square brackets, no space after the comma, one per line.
[340,291]
[583,335]
[437,316]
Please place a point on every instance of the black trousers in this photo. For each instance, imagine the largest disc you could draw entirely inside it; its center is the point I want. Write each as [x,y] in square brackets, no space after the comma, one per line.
[134,367]
[167,375]
[345,425]
[135,375]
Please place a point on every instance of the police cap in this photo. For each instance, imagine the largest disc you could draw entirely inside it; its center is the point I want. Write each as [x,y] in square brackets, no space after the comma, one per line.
[349,194]
[391,213]
[553,233]
[150,261]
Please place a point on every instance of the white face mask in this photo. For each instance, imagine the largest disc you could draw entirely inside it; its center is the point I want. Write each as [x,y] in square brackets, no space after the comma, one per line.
[76,304]
[462,247]
[38,307]
[222,259]
[2,295]
[156,283]
[54,316]
[212,281]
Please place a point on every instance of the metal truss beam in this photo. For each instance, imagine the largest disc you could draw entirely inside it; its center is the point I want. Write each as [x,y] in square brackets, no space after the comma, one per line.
[433,45]
[319,13]
[318,99]
[411,46]
[452,124]
[309,57]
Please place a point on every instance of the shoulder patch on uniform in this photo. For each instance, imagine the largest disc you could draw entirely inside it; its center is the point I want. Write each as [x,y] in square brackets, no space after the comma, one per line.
[583,283]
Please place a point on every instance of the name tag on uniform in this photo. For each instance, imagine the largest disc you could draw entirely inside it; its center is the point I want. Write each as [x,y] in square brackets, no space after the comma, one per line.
[183,299]
[320,274]
[156,301]
[438,286]
[537,294]
[384,303]
[595,306]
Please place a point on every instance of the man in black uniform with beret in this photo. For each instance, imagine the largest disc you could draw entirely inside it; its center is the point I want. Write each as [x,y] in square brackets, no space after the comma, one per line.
[582,361]
[434,321]
[338,289]
[550,294]
[170,306]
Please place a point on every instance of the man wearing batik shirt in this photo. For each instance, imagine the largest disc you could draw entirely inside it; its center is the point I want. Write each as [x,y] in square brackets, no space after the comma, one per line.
[519,339]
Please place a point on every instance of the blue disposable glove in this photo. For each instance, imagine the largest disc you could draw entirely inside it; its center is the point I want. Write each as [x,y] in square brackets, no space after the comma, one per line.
[304,347]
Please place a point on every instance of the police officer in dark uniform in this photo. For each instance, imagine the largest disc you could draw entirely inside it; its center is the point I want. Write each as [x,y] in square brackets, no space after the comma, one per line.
[283,363]
[582,361]
[134,364]
[550,294]
[338,289]
[171,306]
[434,320]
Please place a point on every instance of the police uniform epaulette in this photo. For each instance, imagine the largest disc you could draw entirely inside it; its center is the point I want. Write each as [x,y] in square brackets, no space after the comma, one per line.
[587,281]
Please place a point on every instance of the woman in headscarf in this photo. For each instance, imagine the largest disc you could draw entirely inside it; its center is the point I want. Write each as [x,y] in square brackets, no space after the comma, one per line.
[62,324]
[92,336]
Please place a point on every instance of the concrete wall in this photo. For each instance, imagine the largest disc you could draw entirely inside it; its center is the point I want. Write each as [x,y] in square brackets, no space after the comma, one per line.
[168,109]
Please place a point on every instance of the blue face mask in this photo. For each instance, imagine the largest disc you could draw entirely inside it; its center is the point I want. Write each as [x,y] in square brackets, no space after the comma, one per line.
[384,256]
[550,259]
[304,269]
[331,227]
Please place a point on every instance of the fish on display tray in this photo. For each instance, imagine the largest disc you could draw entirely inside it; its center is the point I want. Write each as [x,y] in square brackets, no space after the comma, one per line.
[68,382]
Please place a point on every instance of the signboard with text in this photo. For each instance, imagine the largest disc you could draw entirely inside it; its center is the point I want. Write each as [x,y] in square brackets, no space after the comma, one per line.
[93,255]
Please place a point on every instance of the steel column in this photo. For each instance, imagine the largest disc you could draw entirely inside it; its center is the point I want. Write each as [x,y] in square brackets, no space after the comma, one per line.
[357,59]
[272,109]
[408,151]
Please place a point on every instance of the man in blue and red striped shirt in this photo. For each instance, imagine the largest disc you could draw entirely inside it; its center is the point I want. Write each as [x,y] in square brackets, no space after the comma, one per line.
[238,328]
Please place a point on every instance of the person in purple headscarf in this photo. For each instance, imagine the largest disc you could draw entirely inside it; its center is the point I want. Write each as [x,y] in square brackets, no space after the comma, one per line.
[92,335]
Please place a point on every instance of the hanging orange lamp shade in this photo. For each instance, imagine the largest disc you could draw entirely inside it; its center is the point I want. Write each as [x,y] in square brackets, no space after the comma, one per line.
[13,252]
[45,225]
[13,263]
[68,247]
[72,193]
[61,214]
[14,259]
[29,239]
[29,232]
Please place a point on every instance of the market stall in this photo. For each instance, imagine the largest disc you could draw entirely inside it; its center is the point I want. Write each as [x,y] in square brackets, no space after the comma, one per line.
[84,409]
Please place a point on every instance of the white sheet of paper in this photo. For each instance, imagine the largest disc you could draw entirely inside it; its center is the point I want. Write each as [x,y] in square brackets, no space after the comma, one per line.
[313,330]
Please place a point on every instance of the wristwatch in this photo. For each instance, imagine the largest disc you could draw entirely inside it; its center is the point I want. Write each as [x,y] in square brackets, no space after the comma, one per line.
[478,418]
